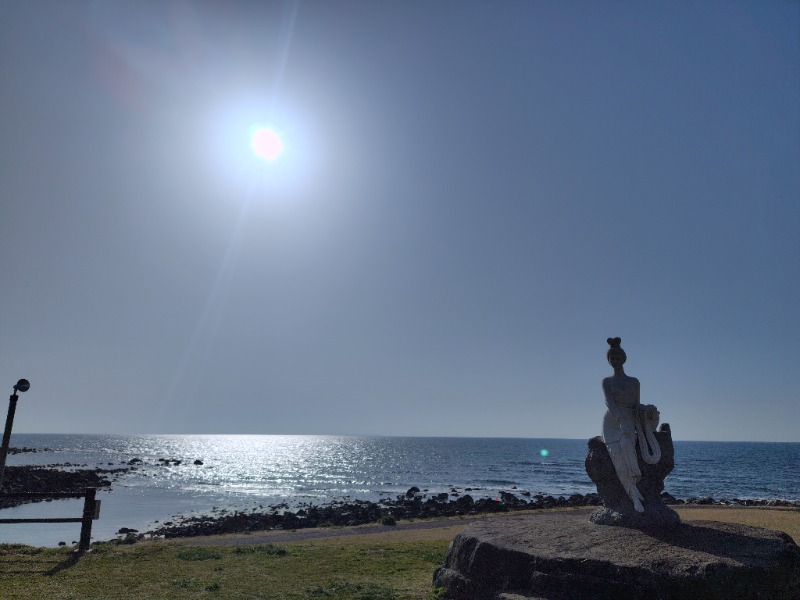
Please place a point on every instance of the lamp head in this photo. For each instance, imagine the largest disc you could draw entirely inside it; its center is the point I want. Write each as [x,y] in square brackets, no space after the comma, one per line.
[23,385]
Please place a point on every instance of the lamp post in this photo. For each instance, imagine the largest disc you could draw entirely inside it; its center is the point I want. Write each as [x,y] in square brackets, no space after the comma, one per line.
[23,385]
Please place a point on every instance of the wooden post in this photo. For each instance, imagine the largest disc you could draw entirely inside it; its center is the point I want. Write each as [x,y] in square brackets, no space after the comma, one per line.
[86,521]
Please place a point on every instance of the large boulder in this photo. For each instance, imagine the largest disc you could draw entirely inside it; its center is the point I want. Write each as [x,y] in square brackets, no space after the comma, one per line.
[561,555]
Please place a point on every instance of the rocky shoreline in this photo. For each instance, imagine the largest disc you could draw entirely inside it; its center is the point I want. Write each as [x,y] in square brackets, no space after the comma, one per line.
[52,479]
[414,505]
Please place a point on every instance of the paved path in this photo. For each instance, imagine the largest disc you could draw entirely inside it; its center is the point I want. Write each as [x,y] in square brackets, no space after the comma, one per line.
[270,537]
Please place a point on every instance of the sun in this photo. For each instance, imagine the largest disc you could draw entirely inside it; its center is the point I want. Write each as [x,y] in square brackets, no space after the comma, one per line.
[265,143]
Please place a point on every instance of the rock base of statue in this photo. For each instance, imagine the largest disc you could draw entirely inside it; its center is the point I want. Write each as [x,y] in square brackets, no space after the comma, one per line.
[559,555]
[617,505]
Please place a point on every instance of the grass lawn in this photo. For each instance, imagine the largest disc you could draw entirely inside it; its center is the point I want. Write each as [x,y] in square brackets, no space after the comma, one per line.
[390,565]
[338,568]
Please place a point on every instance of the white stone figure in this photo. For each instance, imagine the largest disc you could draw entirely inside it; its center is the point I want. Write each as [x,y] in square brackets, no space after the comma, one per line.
[625,421]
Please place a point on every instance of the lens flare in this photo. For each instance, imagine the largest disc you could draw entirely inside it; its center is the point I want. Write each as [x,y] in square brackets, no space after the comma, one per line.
[266,144]
[544,451]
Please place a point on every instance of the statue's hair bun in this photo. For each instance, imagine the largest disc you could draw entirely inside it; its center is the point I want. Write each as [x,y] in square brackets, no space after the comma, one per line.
[614,342]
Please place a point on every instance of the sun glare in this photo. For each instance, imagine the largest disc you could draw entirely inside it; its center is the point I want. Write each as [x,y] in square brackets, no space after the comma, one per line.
[266,143]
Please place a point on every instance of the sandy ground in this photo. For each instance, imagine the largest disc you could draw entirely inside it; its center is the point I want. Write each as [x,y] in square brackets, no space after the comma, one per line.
[779,519]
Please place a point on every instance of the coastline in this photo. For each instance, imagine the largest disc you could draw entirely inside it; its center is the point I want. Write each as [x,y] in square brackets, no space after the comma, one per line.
[415,504]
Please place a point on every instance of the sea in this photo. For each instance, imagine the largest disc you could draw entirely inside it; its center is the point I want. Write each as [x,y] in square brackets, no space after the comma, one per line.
[252,472]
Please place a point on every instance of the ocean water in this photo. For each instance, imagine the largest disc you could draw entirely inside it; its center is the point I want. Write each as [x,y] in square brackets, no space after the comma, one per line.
[248,472]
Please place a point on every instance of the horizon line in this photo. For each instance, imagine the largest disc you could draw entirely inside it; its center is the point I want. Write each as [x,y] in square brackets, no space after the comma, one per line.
[381,435]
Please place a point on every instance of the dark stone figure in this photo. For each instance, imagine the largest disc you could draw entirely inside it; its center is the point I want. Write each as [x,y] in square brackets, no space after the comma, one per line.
[618,507]
[629,462]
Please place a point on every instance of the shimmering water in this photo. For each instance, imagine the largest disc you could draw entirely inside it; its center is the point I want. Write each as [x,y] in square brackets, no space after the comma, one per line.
[243,472]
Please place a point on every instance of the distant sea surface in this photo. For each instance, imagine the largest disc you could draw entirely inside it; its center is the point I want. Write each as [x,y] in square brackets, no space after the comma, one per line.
[244,472]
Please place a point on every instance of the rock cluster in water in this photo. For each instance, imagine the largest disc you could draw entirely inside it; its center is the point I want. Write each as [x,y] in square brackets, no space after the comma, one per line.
[47,479]
[25,450]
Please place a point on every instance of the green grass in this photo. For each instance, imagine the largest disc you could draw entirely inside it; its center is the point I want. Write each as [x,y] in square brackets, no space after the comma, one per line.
[394,565]
[199,553]
[329,569]
[268,549]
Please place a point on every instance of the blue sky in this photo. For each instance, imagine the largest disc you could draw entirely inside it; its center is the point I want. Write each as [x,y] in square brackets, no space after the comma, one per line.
[473,197]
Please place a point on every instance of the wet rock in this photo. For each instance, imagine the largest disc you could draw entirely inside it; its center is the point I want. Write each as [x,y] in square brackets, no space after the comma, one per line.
[43,479]
[124,530]
[25,450]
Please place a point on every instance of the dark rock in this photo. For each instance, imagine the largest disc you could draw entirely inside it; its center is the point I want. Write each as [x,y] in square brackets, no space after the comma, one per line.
[561,555]
[413,490]
[123,530]
[617,505]
[511,500]
[668,498]
[576,500]
[198,462]
[25,450]
[43,479]
[464,502]
[484,505]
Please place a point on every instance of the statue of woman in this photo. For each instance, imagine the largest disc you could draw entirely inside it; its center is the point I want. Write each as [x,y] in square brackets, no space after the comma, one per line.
[620,422]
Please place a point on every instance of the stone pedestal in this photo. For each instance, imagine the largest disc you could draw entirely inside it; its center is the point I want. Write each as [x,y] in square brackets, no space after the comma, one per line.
[561,555]
[617,505]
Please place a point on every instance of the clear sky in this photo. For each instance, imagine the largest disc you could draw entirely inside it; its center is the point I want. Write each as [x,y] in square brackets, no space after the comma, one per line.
[472,197]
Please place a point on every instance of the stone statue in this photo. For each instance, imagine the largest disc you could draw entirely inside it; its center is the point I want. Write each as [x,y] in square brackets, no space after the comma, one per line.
[631,460]
[622,424]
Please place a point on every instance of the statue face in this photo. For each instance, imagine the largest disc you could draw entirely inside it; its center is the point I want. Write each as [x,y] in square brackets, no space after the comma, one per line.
[616,359]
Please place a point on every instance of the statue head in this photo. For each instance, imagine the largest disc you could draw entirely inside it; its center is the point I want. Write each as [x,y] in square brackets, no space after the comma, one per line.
[616,355]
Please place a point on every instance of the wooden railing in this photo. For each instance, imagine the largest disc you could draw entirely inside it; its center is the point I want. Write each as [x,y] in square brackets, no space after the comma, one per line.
[91,511]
